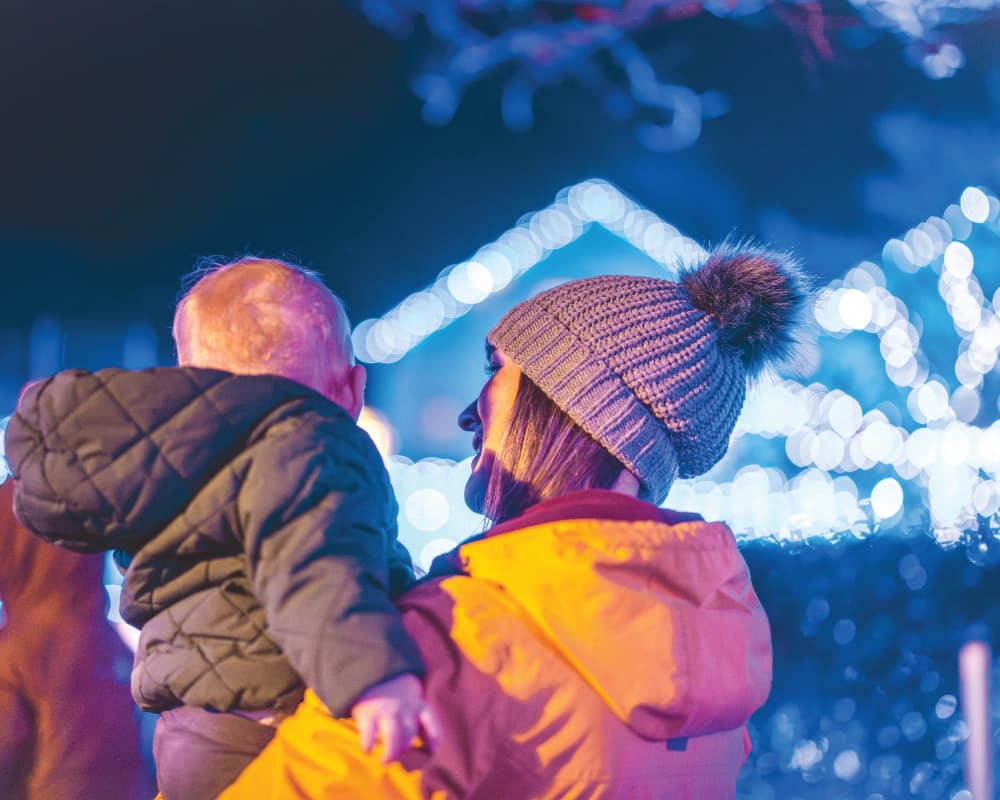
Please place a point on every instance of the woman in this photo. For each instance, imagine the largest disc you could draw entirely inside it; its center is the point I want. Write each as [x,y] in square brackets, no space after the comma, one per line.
[589,644]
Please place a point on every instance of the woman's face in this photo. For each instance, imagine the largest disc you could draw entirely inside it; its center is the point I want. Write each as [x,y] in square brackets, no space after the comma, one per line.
[487,418]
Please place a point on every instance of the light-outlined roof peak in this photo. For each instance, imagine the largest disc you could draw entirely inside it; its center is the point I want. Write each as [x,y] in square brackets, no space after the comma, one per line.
[536,235]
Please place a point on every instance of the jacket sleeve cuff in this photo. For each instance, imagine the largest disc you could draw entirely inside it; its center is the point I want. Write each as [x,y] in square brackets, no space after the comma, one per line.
[339,685]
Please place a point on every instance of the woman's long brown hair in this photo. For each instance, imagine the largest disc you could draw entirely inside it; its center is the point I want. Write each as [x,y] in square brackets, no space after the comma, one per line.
[544,454]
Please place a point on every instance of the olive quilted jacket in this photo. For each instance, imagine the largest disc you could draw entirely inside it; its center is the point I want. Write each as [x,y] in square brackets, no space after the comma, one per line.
[253,518]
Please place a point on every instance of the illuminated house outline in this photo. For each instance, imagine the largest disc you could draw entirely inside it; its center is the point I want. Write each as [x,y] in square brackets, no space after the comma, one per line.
[462,286]
[858,469]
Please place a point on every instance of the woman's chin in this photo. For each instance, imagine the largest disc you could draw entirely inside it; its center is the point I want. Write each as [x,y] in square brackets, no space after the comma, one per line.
[475,489]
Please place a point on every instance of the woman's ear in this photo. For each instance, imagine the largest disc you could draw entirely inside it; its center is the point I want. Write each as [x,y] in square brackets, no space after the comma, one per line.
[627,483]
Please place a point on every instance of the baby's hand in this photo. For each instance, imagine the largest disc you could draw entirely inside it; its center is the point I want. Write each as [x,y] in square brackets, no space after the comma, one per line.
[394,712]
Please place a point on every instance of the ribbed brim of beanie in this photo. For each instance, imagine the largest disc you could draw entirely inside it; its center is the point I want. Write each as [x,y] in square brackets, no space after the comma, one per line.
[636,366]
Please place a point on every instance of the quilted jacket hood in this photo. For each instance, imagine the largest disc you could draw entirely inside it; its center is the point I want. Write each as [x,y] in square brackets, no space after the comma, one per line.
[661,620]
[112,456]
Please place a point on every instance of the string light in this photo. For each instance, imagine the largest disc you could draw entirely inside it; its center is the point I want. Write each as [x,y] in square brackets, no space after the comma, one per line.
[461,287]
[845,469]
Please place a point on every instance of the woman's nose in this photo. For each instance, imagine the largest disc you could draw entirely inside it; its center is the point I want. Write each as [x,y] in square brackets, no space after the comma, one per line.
[469,418]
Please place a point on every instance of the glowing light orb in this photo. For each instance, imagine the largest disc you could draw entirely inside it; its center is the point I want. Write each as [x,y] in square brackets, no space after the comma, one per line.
[498,264]
[847,765]
[958,259]
[598,203]
[377,426]
[427,509]
[932,400]
[887,498]
[470,282]
[421,313]
[855,309]
[946,706]
[845,415]
[975,204]
[433,549]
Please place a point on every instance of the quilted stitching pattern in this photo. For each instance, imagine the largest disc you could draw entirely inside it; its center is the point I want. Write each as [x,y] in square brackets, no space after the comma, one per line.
[152,463]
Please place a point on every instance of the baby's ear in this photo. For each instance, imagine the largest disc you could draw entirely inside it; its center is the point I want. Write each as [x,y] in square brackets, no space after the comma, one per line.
[349,391]
[358,380]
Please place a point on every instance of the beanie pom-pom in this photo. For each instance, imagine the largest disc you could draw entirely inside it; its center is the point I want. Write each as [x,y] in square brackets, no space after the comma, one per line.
[757,296]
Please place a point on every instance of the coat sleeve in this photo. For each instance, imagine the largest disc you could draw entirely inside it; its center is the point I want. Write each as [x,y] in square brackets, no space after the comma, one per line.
[401,570]
[318,519]
[15,741]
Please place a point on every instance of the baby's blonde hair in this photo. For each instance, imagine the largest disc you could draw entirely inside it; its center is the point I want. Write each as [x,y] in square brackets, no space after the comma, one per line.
[257,316]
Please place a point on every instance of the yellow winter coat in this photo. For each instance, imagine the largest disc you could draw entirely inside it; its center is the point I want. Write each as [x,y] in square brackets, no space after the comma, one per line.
[617,655]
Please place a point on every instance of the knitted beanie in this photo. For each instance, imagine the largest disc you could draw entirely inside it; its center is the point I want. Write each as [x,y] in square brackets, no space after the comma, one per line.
[656,370]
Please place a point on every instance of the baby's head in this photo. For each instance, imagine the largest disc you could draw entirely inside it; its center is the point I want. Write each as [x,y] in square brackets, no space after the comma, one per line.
[262,316]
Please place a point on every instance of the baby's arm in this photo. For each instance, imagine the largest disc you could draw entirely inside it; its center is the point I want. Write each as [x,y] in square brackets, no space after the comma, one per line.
[316,514]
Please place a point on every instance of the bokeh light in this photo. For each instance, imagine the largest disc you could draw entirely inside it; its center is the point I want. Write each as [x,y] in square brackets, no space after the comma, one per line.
[887,498]
[378,427]
[975,204]
[850,460]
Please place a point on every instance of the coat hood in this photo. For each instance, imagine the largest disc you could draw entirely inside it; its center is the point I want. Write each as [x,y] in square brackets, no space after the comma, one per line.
[660,618]
[114,455]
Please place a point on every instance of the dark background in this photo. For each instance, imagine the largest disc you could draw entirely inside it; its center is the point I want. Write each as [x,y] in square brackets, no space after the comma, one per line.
[137,137]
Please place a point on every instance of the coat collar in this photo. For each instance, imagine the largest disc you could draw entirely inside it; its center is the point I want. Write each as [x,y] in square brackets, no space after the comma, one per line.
[592,504]
[600,504]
